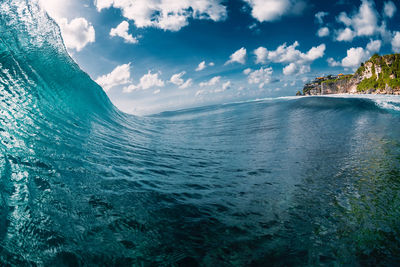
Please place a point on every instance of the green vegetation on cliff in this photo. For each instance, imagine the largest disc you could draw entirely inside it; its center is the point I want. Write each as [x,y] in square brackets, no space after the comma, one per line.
[341,78]
[389,74]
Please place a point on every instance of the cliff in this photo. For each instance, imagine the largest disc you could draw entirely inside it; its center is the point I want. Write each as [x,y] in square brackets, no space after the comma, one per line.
[378,75]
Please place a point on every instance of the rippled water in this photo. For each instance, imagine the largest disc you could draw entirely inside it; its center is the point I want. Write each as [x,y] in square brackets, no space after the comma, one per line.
[276,182]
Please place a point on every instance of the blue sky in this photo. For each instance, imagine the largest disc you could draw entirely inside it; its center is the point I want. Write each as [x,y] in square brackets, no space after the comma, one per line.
[156,55]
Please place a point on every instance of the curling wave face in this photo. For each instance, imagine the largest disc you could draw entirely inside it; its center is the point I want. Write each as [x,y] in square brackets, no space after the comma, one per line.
[246,183]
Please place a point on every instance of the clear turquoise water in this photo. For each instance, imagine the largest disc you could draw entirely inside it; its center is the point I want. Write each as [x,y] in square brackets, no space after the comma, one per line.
[279,182]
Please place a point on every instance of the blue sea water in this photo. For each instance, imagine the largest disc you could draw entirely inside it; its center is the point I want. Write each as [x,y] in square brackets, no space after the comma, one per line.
[276,182]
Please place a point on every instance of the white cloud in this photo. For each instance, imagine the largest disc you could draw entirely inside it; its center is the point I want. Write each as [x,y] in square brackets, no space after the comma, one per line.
[389,9]
[101,4]
[374,46]
[211,64]
[213,81]
[122,31]
[323,32]
[201,66]
[355,56]
[119,76]
[200,92]
[166,14]
[77,33]
[320,16]
[186,84]
[293,68]
[298,62]
[156,92]
[148,80]
[226,85]
[260,77]
[239,56]
[261,55]
[55,8]
[346,35]
[333,63]
[396,42]
[271,10]
[313,54]
[289,54]
[247,71]
[177,80]
[363,23]
[289,69]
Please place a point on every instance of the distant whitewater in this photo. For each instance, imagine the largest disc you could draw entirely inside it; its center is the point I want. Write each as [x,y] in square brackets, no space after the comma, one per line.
[276,182]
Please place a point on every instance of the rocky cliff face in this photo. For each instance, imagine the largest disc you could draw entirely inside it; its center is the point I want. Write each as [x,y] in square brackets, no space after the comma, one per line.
[378,75]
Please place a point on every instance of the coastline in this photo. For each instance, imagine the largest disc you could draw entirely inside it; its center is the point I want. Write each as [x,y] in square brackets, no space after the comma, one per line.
[380,75]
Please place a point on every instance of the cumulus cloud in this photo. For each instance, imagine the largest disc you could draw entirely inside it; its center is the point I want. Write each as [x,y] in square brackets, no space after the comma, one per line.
[122,31]
[396,42]
[55,8]
[333,63]
[247,71]
[320,16]
[186,84]
[298,62]
[363,23]
[226,85]
[389,9]
[356,55]
[261,55]
[177,78]
[121,75]
[215,85]
[239,56]
[293,68]
[148,80]
[323,32]
[77,33]
[374,46]
[271,10]
[289,54]
[213,81]
[166,14]
[289,69]
[346,35]
[260,77]
[179,81]
[201,66]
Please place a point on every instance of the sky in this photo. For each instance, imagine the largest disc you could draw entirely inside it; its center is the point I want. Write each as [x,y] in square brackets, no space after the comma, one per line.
[151,56]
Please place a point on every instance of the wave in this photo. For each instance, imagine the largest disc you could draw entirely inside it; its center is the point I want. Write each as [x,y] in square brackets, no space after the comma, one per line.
[386,102]
[82,183]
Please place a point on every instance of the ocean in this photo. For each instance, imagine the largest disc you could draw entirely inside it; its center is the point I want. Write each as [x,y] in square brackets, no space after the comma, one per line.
[297,181]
